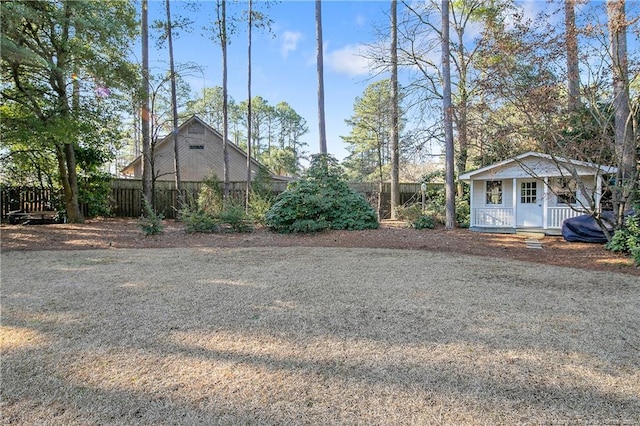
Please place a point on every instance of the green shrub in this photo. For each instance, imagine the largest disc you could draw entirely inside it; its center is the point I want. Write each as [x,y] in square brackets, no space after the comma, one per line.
[95,192]
[261,183]
[150,222]
[410,213]
[320,200]
[435,206]
[627,239]
[416,217]
[236,218]
[424,222]
[209,214]
[197,220]
[259,205]
[463,212]
[210,195]
[231,218]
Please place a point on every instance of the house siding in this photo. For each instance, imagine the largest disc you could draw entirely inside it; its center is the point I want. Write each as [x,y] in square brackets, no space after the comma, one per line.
[196,164]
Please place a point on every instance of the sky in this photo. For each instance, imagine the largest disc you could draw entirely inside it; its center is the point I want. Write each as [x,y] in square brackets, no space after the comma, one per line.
[284,61]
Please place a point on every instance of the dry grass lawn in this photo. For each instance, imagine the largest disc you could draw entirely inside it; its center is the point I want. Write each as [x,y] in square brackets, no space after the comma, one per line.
[314,336]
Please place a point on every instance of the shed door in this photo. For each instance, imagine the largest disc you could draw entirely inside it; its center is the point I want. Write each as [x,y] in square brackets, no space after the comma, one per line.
[529,203]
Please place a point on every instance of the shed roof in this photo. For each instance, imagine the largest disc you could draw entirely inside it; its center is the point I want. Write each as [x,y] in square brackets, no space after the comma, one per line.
[536,164]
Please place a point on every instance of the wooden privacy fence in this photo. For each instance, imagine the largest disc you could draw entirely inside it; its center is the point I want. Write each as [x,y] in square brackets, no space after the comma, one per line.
[28,199]
[126,196]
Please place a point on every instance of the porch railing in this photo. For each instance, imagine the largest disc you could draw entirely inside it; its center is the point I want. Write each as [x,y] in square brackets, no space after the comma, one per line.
[492,217]
[556,215]
[503,217]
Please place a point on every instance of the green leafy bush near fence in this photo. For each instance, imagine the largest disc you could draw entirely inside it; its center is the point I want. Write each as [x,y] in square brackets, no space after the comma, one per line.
[210,195]
[420,217]
[627,239]
[196,220]
[424,222]
[321,200]
[261,196]
[234,218]
[259,205]
[416,217]
[209,214]
[151,222]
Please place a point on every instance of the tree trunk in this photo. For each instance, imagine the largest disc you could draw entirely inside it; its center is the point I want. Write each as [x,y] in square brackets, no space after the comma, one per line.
[248,186]
[624,135]
[74,214]
[225,103]
[461,115]
[463,134]
[395,143]
[380,200]
[174,110]
[70,196]
[571,44]
[320,68]
[146,116]
[66,150]
[448,121]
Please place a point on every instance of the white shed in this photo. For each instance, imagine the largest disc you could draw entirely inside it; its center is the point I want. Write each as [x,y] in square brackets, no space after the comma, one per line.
[532,191]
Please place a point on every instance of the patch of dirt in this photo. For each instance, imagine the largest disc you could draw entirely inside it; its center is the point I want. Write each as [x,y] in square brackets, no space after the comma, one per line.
[125,233]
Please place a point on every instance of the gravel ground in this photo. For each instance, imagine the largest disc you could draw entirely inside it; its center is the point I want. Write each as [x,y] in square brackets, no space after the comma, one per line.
[303,335]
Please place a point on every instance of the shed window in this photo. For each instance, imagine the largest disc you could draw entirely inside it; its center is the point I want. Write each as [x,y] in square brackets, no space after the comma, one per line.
[196,146]
[566,191]
[494,192]
[528,192]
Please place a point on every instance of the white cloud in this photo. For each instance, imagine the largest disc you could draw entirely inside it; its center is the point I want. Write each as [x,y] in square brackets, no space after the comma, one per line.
[360,20]
[531,10]
[349,60]
[290,41]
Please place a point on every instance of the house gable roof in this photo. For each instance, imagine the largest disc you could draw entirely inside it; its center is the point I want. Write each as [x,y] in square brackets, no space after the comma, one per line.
[194,118]
[536,164]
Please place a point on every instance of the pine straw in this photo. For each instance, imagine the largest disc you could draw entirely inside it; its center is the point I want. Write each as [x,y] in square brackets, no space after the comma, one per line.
[313,336]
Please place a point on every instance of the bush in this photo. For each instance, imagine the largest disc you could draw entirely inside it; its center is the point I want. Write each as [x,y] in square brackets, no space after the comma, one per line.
[209,214]
[410,213]
[437,210]
[236,218]
[424,222]
[150,222]
[210,195]
[627,239]
[197,220]
[321,200]
[415,217]
[232,218]
[95,192]
[259,205]
[463,212]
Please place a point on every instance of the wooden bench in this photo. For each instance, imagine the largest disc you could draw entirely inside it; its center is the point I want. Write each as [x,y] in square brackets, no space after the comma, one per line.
[33,218]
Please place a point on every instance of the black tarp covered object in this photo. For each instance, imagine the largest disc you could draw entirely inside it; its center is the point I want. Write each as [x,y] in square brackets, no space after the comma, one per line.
[585,229]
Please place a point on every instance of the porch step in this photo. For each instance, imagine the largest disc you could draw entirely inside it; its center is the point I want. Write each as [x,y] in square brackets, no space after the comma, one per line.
[533,243]
[538,232]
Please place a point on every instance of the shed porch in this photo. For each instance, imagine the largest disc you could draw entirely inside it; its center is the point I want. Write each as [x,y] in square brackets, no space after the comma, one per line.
[504,218]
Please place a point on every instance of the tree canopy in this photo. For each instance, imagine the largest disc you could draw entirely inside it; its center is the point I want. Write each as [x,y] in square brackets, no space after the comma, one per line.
[62,63]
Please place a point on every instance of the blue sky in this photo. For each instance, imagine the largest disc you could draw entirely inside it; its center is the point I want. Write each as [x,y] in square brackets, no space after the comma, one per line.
[284,61]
